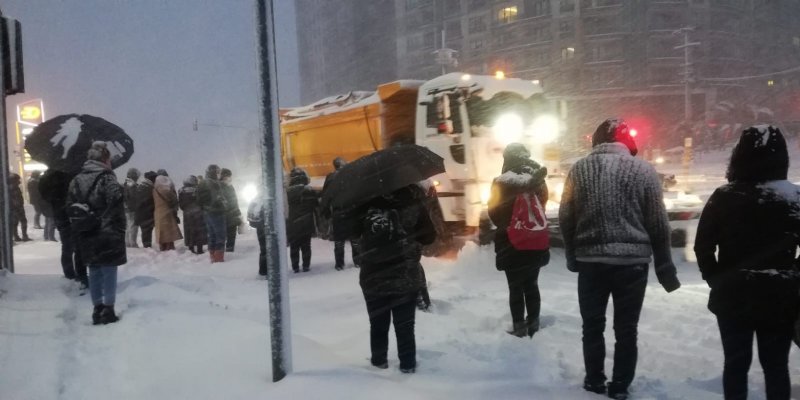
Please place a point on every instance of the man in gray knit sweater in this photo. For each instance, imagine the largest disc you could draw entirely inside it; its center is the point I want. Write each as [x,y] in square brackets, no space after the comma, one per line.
[613,220]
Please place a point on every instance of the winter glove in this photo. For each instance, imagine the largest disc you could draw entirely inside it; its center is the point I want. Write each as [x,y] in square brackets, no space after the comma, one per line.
[572,266]
[668,277]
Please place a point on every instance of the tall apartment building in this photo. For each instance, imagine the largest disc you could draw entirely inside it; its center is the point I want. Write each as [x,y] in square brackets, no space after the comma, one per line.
[601,57]
[344,45]
[616,57]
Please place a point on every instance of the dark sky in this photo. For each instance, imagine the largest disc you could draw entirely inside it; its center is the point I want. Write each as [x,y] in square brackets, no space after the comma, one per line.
[153,67]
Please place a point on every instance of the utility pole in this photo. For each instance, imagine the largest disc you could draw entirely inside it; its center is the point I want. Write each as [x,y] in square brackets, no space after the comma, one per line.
[272,182]
[687,71]
[6,245]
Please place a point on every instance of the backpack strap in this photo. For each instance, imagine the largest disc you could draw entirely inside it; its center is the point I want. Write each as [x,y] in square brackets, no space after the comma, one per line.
[93,186]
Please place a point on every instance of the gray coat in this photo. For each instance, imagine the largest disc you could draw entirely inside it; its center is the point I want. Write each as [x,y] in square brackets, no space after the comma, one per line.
[612,212]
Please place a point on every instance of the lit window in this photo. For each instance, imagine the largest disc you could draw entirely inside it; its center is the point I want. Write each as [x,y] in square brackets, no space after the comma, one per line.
[770,83]
[507,14]
[567,53]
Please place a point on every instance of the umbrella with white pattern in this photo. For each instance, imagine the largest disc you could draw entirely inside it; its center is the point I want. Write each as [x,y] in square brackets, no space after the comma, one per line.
[62,142]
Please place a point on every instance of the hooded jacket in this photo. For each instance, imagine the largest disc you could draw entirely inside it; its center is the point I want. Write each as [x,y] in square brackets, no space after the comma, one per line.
[303,201]
[145,205]
[520,175]
[194,228]
[210,195]
[749,233]
[105,246]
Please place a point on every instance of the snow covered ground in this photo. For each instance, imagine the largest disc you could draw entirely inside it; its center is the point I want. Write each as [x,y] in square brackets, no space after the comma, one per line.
[190,330]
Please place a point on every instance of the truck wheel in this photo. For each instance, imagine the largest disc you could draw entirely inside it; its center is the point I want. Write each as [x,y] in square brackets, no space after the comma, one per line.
[447,244]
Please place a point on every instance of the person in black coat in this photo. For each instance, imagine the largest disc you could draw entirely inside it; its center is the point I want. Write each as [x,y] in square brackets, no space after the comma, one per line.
[18,217]
[35,199]
[300,226]
[338,245]
[521,175]
[753,225]
[392,231]
[102,248]
[233,215]
[54,186]
[145,208]
[214,204]
[194,228]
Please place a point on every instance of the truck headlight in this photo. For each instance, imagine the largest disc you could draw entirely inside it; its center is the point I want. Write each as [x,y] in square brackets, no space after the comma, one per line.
[545,129]
[508,128]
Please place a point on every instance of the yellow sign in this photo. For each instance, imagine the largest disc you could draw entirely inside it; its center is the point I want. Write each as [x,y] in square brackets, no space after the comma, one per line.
[30,113]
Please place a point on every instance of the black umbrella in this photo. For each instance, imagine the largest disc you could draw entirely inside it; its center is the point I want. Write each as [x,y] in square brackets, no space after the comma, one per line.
[381,173]
[62,142]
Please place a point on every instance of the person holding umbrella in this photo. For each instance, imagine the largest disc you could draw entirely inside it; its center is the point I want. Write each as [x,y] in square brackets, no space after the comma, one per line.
[54,186]
[391,223]
[96,206]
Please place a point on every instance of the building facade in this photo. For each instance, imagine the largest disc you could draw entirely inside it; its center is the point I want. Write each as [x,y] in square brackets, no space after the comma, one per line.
[611,57]
[344,45]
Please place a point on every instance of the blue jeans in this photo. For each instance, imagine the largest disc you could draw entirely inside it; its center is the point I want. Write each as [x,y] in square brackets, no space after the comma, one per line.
[103,284]
[217,231]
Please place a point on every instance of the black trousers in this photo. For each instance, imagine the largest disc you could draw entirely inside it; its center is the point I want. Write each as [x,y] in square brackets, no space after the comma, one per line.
[626,284]
[338,252]
[18,218]
[523,293]
[295,247]
[774,341]
[230,241]
[262,251]
[71,261]
[382,309]
[147,235]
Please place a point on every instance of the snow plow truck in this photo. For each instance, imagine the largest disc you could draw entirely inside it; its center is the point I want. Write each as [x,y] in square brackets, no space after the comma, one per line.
[466,119]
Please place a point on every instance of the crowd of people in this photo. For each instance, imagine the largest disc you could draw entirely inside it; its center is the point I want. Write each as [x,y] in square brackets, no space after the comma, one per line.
[612,217]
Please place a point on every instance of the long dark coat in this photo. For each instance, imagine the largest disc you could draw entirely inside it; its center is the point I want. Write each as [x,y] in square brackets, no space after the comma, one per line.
[403,275]
[54,186]
[145,204]
[105,246]
[303,201]
[194,227]
[233,215]
[756,228]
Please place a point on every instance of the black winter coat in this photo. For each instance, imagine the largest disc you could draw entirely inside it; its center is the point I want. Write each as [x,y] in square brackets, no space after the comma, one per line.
[194,227]
[505,189]
[403,275]
[17,201]
[34,194]
[233,215]
[105,246]
[211,197]
[303,201]
[756,228]
[54,186]
[144,214]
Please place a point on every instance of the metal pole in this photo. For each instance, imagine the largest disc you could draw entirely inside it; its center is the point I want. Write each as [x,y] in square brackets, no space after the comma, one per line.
[6,245]
[272,179]
[687,90]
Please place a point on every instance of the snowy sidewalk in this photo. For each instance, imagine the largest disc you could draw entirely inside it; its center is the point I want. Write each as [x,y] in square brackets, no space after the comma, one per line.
[190,330]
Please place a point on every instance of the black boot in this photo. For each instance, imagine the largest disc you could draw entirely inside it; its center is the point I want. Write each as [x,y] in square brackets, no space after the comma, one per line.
[107,315]
[533,326]
[520,329]
[617,391]
[200,249]
[98,309]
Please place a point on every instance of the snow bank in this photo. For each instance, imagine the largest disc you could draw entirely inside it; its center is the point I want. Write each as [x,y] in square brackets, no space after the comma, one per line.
[192,330]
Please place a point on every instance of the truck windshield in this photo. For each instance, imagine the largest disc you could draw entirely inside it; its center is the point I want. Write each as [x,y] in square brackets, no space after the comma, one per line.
[486,113]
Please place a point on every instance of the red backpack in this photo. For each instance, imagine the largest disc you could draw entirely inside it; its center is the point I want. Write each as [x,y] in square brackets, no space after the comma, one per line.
[528,227]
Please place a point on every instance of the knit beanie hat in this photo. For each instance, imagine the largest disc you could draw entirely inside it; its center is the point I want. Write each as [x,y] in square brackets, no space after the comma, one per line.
[614,130]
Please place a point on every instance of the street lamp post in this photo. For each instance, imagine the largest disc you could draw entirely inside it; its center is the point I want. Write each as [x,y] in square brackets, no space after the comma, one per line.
[272,176]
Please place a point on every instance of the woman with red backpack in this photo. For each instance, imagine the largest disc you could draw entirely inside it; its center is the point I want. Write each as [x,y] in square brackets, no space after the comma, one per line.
[516,207]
